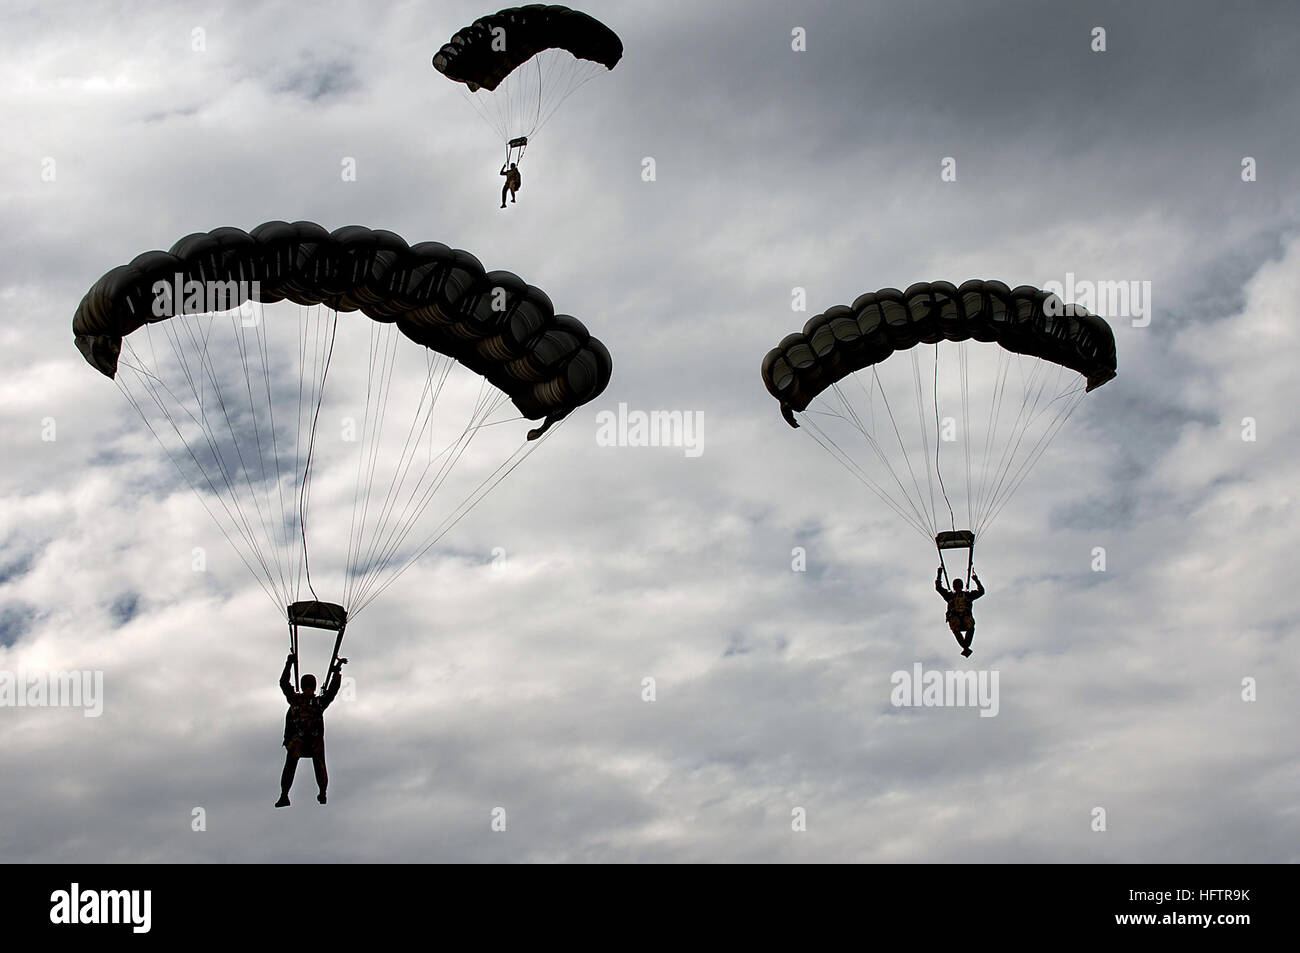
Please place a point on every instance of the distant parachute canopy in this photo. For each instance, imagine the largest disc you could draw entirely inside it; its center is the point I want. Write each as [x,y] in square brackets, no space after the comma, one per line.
[519,64]
[235,394]
[1003,420]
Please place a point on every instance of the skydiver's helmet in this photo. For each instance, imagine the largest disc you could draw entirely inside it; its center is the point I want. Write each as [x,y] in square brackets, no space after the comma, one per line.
[309,684]
[956,584]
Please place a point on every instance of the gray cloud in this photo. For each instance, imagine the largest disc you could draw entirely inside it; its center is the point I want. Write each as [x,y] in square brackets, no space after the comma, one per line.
[520,687]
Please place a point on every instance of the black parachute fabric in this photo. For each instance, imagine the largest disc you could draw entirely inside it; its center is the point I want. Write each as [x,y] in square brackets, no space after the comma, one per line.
[469,57]
[225,344]
[517,66]
[848,338]
[987,414]
[491,322]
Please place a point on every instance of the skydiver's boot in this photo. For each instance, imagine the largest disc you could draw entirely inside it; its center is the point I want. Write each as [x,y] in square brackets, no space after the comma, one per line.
[321,797]
[966,653]
[284,800]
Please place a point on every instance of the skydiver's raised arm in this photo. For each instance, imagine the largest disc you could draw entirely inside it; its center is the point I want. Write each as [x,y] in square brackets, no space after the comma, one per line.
[286,686]
[333,683]
[979,586]
[938,584]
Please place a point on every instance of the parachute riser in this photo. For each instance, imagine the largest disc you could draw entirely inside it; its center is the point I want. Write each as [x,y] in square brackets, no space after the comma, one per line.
[316,615]
[520,143]
[957,539]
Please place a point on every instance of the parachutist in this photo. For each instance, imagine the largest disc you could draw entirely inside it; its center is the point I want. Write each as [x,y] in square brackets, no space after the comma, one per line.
[304,726]
[838,373]
[960,617]
[513,181]
[515,87]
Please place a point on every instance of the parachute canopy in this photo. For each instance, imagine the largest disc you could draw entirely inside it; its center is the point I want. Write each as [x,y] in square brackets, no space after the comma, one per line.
[856,371]
[519,64]
[491,322]
[845,339]
[224,345]
[491,48]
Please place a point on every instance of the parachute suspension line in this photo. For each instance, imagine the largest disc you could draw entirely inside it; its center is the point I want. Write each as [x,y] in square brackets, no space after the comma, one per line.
[575,74]
[372,432]
[527,98]
[537,113]
[827,443]
[297,440]
[171,332]
[494,124]
[260,317]
[243,349]
[939,472]
[401,528]
[1033,387]
[305,490]
[126,391]
[361,468]
[921,431]
[995,413]
[374,561]
[305,324]
[1008,445]
[879,451]
[988,477]
[428,364]
[964,366]
[154,387]
[321,345]
[486,486]
[1069,401]
[557,86]
[361,567]
[902,449]
[856,421]
[386,550]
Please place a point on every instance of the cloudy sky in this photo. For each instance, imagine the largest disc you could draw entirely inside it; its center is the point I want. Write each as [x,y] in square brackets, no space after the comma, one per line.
[1160,690]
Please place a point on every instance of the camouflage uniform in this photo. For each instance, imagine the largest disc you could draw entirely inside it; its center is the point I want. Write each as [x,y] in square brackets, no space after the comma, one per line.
[304,728]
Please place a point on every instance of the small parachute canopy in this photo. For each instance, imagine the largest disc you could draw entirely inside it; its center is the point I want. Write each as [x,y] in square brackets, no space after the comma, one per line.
[517,66]
[475,57]
[845,339]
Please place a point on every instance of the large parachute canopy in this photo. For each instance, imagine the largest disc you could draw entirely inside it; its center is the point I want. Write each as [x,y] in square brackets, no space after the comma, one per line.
[207,344]
[942,434]
[518,65]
